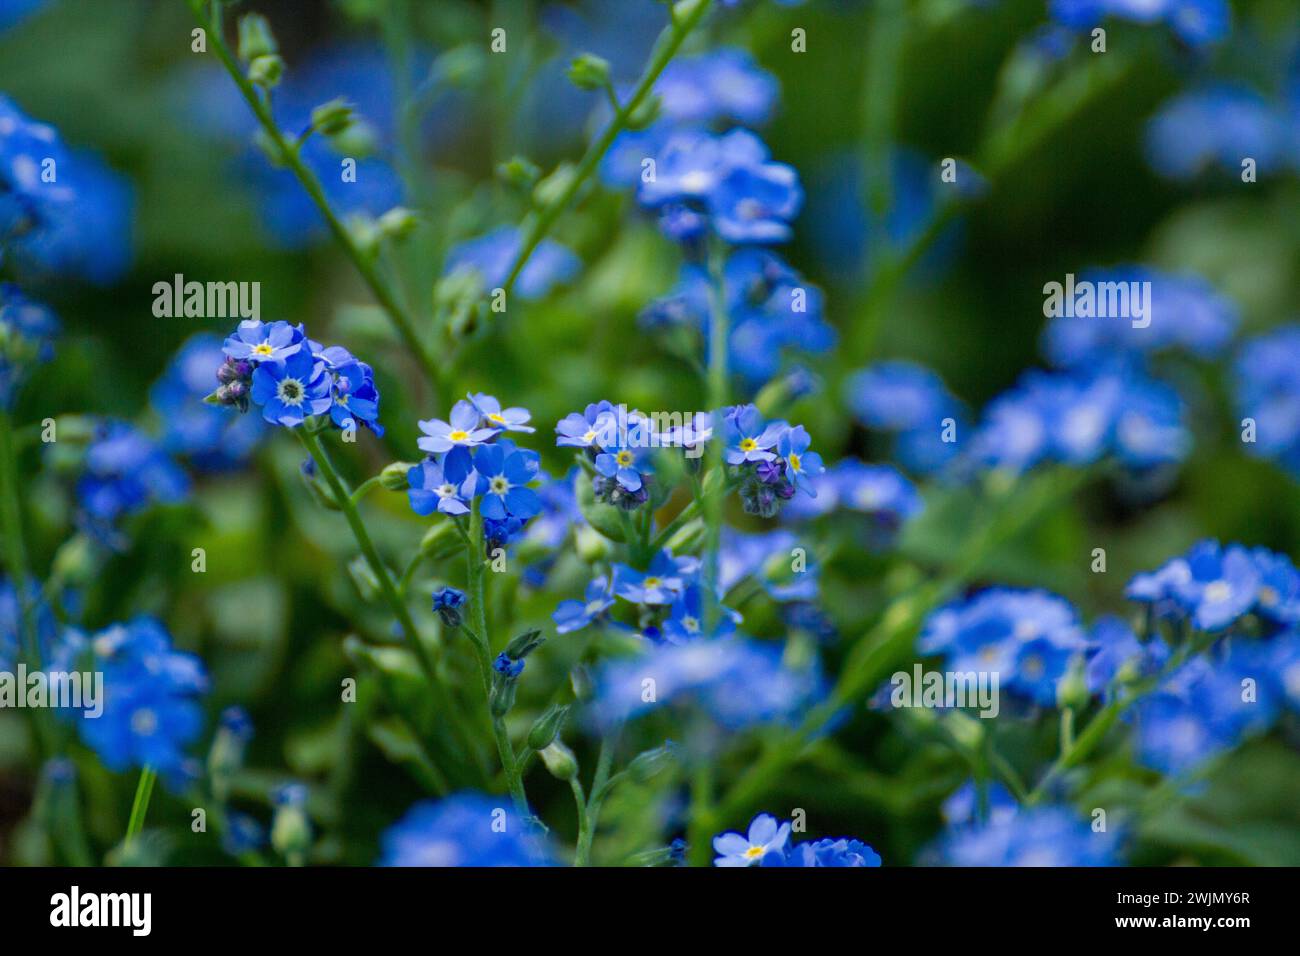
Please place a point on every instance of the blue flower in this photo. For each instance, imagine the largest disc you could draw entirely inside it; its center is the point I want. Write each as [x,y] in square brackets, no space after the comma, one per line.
[1037,836]
[622,458]
[734,682]
[749,437]
[1218,125]
[491,256]
[355,398]
[292,391]
[801,465]
[27,333]
[264,342]
[40,616]
[462,431]
[447,604]
[76,225]
[208,436]
[685,621]
[585,430]
[465,829]
[125,472]
[661,582]
[507,665]
[438,484]
[503,482]
[1212,585]
[1267,391]
[1030,638]
[765,836]
[730,179]
[1197,22]
[1278,598]
[843,852]
[151,700]
[509,419]
[912,401]
[1115,654]
[1184,312]
[574,615]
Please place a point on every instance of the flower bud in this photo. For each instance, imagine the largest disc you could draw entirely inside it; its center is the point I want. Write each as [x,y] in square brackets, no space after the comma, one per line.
[333,117]
[364,577]
[649,762]
[266,70]
[547,726]
[560,761]
[589,72]
[255,38]
[1072,688]
[393,477]
[290,828]
[519,172]
[437,538]
[448,604]
[523,645]
[398,223]
[580,681]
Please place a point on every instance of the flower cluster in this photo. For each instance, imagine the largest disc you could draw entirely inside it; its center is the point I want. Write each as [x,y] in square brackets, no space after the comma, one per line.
[667,599]
[27,333]
[1218,126]
[767,843]
[769,460]
[61,211]
[1014,836]
[880,492]
[292,378]
[465,829]
[1267,380]
[1030,638]
[151,697]
[912,403]
[734,682]
[468,458]
[618,444]
[125,471]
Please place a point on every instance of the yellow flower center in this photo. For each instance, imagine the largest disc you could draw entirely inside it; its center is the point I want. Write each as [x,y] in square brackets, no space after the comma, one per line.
[651,582]
[794,461]
[458,435]
[624,459]
[754,852]
[264,348]
[497,418]
[748,444]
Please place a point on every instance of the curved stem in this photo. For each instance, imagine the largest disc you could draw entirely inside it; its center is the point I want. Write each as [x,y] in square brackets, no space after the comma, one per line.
[288,154]
[666,47]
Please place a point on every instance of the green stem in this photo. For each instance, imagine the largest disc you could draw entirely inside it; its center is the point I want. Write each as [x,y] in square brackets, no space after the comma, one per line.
[361,490]
[582,854]
[483,650]
[11,525]
[387,299]
[140,806]
[666,47]
[338,488]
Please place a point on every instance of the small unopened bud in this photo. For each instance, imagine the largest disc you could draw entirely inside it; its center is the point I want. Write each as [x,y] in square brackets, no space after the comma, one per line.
[546,727]
[519,172]
[393,477]
[333,117]
[649,762]
[290,829]
[589,72]
[560,761]
[398,223]
[524,644]
[255,38]
[1072,689]
[449,603]
[266,70]
[580,681]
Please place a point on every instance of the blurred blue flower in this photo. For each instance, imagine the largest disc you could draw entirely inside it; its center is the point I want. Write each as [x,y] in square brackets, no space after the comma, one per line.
[27,333]
[1220,125]
[574,615]
[1196,22]
[1036,836]
[1184,312]
[464,829]
[151,700]
[490,256]
[661,583]
[61,211]
[1030,638]
[911,400]
[732,681]
[1267,391]
[1115,653]
[125,471]
[1211,585]
[208,436]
